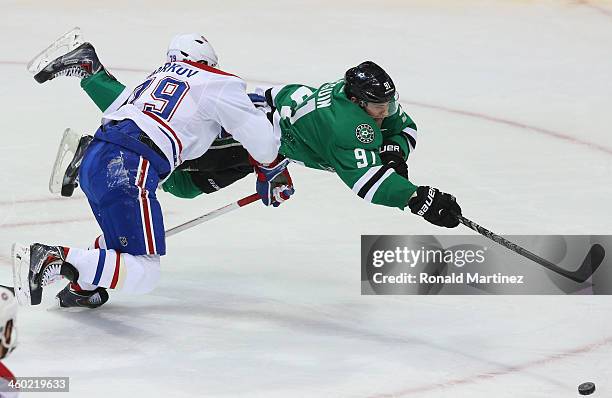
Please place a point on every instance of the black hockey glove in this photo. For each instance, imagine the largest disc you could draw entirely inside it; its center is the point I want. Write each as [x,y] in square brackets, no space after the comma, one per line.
[391,154]
[437,207]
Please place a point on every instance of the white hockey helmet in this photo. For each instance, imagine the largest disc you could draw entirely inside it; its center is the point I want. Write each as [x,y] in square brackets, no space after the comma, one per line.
[192,47]
[8,316]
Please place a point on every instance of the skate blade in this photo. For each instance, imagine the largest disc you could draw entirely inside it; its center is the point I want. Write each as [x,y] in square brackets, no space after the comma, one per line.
[57,307]
[65,154]
[21,267]
[64,44]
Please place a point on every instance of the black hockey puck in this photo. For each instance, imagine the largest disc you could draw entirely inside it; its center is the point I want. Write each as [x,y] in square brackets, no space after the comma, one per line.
[586,388]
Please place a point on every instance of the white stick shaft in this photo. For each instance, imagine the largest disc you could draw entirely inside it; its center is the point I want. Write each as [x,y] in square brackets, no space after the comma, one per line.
[213,214]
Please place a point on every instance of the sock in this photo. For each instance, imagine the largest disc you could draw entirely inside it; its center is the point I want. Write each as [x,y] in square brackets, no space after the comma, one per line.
[114,270]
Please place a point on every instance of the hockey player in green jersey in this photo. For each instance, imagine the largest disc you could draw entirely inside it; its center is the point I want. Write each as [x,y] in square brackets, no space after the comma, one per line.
[356,128]
[353,127]
[324,129]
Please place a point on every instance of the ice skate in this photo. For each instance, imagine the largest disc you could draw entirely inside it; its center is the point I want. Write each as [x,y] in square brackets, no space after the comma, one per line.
[73,297]
[37,266]
[65,172]
[63,45]
[67,56]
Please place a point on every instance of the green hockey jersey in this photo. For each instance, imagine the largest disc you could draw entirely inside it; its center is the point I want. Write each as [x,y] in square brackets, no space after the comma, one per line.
[321,128]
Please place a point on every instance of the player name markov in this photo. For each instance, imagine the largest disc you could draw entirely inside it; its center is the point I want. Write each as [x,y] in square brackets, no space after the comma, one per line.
[467,278]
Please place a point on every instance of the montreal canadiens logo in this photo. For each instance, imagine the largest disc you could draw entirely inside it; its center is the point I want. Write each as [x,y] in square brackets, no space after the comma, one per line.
[365,133]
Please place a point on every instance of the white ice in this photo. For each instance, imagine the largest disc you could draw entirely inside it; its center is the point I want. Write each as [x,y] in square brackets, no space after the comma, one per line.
[266,302]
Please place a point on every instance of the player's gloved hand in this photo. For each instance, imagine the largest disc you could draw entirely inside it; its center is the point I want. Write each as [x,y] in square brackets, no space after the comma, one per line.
[258,100]
[391,153]
[437,207]
[274,183]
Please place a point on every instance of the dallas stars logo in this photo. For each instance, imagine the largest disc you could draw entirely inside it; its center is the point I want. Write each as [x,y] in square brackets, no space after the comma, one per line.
[364,133]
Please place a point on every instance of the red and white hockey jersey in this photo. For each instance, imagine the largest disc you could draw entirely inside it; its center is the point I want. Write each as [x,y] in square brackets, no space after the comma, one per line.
[183,106]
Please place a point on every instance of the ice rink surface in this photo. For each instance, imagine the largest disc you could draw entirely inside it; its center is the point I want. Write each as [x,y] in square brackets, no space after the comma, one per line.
[513,104]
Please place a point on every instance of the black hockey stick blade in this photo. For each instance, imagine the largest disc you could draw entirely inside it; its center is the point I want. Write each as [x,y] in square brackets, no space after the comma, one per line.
[589,265]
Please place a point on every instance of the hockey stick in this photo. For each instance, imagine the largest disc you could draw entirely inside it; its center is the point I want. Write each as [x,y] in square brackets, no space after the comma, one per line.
[589,265]
[189,224]
[213,214]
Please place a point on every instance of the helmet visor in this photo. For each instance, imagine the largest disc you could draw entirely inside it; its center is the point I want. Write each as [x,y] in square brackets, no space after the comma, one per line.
[383,109]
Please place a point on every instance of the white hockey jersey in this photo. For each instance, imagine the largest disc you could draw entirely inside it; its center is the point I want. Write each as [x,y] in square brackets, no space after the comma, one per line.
[183,106]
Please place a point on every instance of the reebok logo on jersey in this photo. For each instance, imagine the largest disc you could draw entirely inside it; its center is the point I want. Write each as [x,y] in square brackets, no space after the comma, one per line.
[364,133]
[428,201]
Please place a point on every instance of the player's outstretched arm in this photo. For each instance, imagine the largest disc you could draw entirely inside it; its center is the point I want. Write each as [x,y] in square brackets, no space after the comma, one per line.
[249,126]
[372,179]
[377,181]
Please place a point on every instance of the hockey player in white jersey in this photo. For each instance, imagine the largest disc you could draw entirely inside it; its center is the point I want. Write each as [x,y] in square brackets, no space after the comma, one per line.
[223,164]
[172,116]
